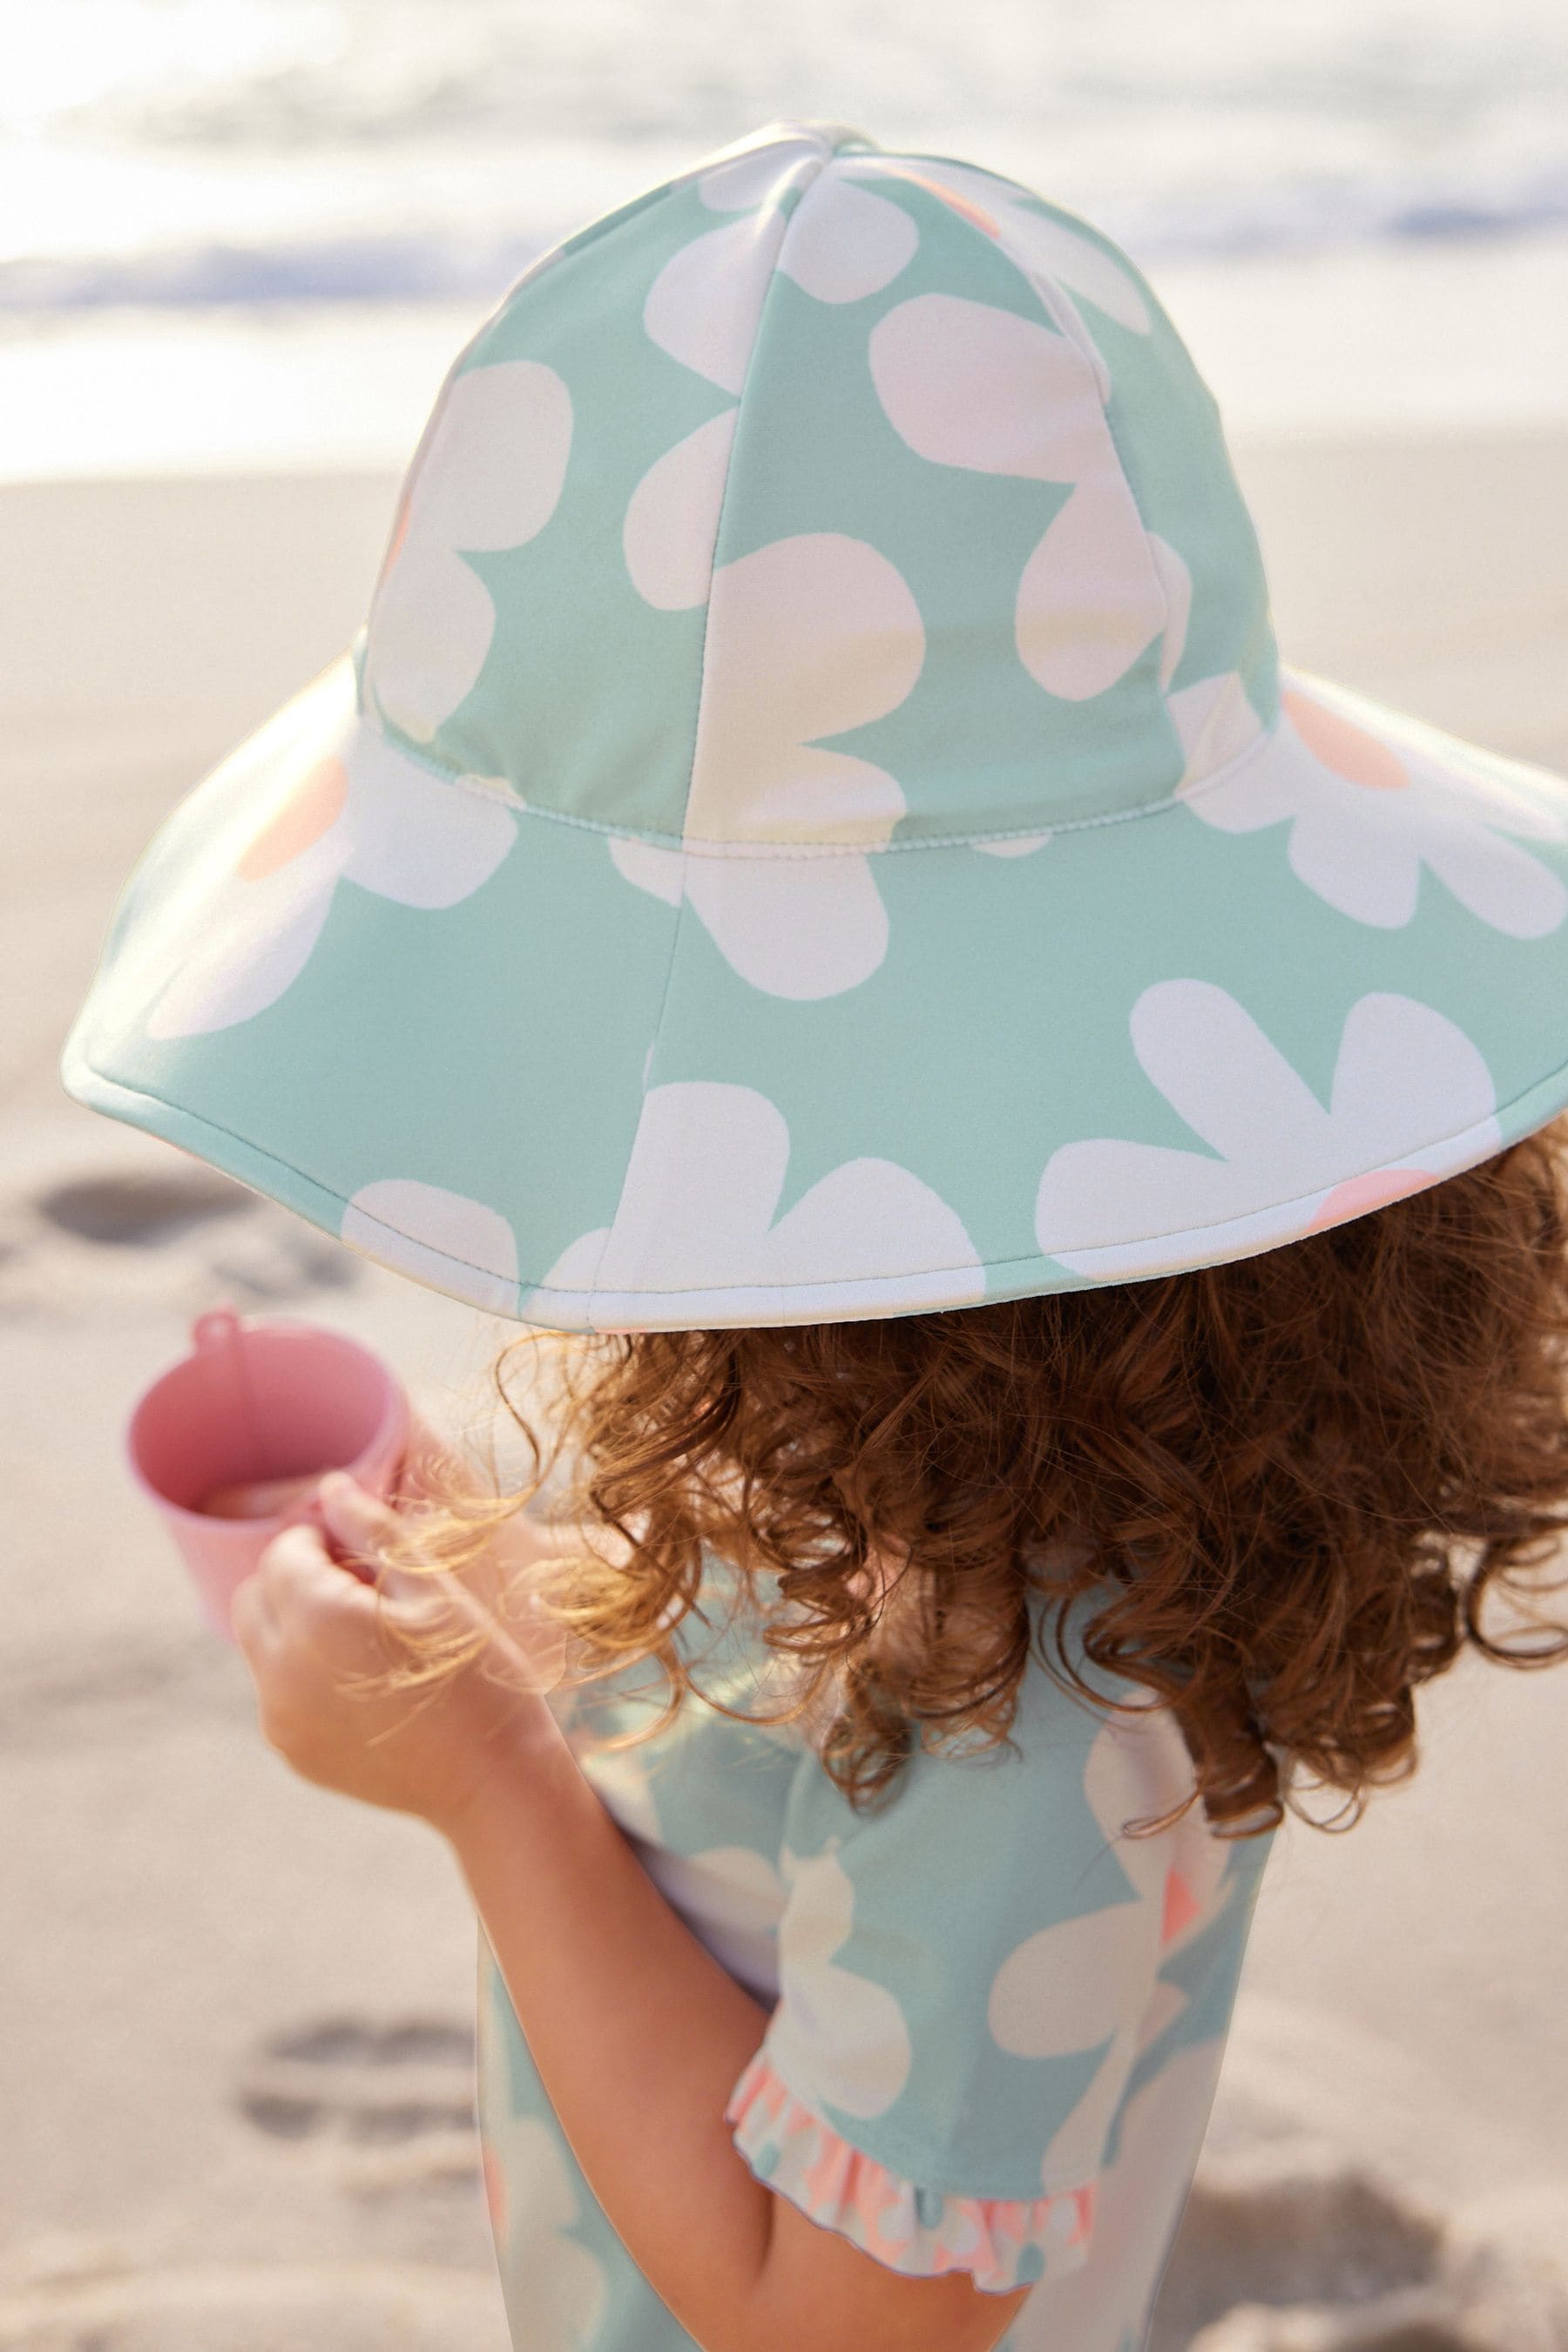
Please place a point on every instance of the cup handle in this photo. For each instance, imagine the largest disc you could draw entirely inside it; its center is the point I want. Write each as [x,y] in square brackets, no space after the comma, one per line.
[220,1327]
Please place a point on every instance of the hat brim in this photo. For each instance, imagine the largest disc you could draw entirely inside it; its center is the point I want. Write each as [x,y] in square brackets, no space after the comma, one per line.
[587,1080]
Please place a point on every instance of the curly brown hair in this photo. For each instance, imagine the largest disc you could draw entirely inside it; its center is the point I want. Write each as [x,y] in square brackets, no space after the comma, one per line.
[1294,1479]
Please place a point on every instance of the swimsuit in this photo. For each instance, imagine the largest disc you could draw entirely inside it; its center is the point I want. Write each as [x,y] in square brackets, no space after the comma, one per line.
[995,2023]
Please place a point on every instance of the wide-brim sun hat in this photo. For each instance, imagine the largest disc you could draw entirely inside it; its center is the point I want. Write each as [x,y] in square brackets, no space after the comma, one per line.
[815,824]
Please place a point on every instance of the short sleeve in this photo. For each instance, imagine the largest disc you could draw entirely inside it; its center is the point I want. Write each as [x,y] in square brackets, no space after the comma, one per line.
[965,1974]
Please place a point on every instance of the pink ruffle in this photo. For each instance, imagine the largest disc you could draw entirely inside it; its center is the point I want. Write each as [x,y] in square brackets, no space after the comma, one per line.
[920,2232]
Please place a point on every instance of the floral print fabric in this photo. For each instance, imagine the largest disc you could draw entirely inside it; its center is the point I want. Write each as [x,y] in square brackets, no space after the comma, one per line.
[918,2231]
[816,824]
[995,2019]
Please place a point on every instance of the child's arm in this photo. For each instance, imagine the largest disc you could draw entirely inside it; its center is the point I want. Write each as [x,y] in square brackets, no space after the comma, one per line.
[637,2032]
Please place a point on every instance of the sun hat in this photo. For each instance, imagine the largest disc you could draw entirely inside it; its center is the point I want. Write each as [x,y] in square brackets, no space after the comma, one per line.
[815,824]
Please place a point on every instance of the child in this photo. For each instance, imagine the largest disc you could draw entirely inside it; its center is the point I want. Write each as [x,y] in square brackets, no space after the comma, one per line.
[813,881]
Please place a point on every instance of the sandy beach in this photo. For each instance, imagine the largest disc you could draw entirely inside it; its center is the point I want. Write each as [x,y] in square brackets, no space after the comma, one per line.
[236,2077]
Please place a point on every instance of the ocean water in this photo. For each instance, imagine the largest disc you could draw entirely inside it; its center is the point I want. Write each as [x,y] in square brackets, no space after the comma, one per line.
[253,231]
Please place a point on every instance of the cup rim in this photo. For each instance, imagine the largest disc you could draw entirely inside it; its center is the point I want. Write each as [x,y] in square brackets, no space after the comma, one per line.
[396,1417]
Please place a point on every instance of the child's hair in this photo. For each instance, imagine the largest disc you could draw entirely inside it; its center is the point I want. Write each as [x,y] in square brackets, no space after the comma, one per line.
[1296,1479]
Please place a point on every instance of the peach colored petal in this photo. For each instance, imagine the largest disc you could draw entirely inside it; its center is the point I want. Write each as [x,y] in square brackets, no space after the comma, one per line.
[1083,2227]
[1180,1906]
[1349,750]
[959,205]
[827,2176]
[1359,1193]
[495,2189]
[312,809]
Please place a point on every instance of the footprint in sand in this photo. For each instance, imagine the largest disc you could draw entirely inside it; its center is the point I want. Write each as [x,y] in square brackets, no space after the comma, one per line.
[141,1210]
[383,2106]
[153,1232]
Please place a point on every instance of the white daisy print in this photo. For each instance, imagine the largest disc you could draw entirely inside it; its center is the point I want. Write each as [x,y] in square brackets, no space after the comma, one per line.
[1136,2205]
[1367,812]
[840,242]
[426,1231]
[1043,248]
[698,1215]
[1088,1983]
[488,476]
[969,384]
[556,2287]
[324,800]
[1283,1165]
[839,2039]
[807,637]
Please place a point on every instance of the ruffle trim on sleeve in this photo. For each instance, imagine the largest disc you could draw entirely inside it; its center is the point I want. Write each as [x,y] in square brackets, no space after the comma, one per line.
[1003,2241]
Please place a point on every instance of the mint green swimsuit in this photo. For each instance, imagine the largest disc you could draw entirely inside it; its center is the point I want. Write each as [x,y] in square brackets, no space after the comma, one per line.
[997,2025]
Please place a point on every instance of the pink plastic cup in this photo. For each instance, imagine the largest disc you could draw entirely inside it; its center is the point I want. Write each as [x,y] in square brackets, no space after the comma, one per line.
[256,1401]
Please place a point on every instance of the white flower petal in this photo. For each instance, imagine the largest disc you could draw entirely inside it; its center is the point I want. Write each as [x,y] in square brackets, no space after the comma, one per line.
[697,1212]
[1013,845]
[420,1229]
[1115,1209]
[1071,1986]
[421,840]
[1501,884]
[1102,2305]
[844,243]
[255,940]
[704,306]
[1108,1207]
[732,1898]
[807,637]
[651,867]
[429,635]
[1177,583]
[672,518]
[966,383]
[1355,865]
[556,2287]
[1405,1072]
[1089,601]
[801,928]
[490,475]
[1046,246]
[1217,723]
[838,2037]
[1366,813]
[1231,1083]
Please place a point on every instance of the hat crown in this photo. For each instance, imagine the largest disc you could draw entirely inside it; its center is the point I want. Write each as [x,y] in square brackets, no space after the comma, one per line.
[824,497]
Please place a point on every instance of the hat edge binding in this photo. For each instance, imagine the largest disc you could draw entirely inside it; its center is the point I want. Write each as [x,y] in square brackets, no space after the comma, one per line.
[857,1297]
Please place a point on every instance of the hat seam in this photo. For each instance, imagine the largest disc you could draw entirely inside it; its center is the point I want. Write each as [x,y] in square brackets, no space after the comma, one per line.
[657,1030]
[705,845]
[904,1274]
[822,161]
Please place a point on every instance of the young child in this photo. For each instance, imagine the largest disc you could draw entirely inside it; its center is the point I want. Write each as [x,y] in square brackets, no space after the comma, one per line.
[1037,1130]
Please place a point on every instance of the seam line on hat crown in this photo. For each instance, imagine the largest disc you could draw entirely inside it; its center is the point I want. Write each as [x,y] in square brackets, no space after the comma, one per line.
[702,845]
[680,910]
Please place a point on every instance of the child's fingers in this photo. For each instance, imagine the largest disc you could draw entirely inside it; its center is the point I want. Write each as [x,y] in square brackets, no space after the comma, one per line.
[358,1520]
[251,1616]
[300,1579]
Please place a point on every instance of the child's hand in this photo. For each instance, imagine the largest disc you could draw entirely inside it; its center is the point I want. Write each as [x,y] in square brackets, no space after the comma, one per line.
[311,1631]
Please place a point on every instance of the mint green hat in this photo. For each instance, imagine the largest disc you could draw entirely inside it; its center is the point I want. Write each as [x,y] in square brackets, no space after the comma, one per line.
[814,825]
